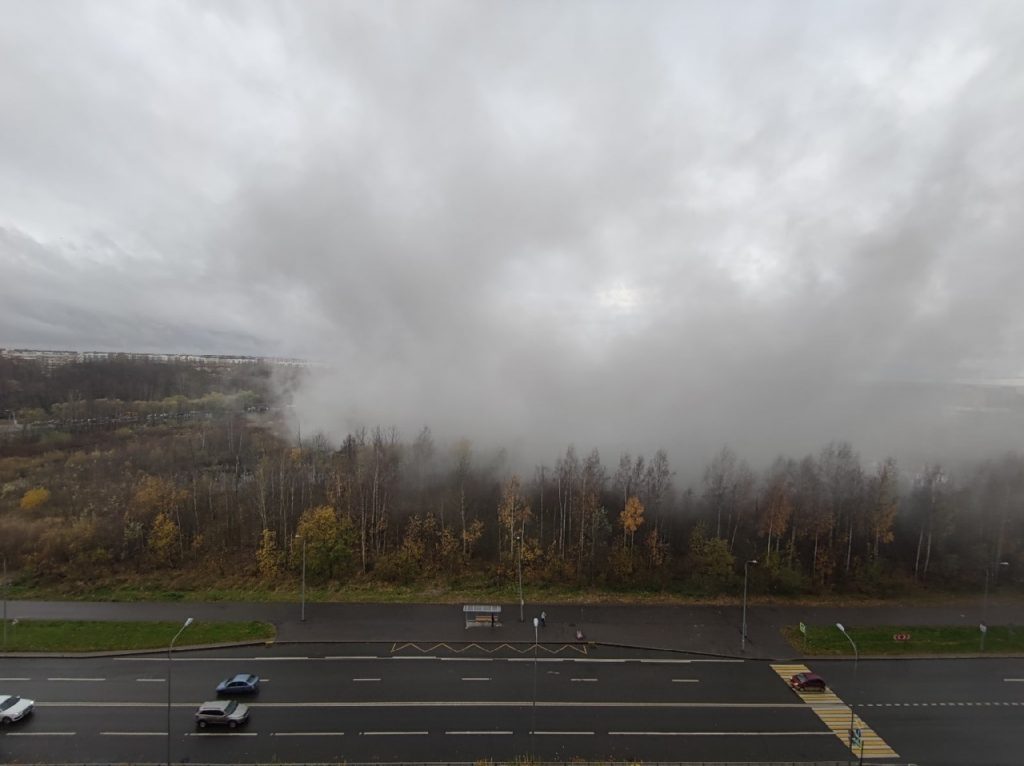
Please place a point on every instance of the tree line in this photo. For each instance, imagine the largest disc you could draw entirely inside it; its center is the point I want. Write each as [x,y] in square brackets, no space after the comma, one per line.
[229,497]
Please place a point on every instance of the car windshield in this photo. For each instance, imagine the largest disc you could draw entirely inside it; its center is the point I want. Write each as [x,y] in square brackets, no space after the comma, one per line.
[9,703]
[230,707]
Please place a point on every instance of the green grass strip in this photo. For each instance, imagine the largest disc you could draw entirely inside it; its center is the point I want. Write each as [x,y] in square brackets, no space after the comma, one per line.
[95,636]
[824,640]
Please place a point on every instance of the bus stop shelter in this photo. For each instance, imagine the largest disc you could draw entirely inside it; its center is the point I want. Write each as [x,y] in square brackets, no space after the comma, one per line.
[482,615]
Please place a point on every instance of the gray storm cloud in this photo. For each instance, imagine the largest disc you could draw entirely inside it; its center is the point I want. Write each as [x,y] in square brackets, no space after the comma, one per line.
[627,225]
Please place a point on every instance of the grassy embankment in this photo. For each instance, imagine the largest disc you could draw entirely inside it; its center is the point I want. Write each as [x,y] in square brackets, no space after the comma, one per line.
[89,636]
[826,640]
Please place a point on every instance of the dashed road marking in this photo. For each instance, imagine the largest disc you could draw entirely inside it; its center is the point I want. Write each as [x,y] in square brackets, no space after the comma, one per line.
[134,733]
[476,678]
[150,680]
[686,680]
[393,733]
[40,734]
[365,679]
[221,734]
[76,679]
[479,732]
[592,680]
[564,733]
[307,734]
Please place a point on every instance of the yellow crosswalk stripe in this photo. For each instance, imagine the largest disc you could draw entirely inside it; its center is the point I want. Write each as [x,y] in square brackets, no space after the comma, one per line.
[836,715]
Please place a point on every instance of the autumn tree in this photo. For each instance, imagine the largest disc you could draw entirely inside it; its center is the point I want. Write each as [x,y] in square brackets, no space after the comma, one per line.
[163,539]
[330,542]
[884,503]
[269,556]
[631,518]
[34,499]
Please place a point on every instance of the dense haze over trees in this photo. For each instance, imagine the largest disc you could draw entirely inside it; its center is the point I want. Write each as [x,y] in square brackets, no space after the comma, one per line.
[228,492]
[633,225]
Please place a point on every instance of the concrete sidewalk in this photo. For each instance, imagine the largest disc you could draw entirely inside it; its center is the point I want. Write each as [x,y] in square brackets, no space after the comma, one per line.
[703,629]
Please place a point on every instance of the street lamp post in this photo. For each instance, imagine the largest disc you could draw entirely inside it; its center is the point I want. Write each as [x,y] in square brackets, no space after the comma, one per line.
[536,643]
[855,658]
[170,665]
[984,603]
[5,602]
[519,567]
[743,630]
[302,608]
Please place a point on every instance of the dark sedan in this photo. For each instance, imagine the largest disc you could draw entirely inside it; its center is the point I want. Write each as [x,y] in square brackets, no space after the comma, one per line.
[243,683]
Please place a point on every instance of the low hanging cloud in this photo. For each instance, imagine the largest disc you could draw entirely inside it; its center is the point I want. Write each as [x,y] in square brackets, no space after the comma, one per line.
[622,225]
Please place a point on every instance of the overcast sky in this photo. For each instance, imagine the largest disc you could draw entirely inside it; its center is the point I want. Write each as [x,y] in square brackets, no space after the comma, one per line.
[628,224]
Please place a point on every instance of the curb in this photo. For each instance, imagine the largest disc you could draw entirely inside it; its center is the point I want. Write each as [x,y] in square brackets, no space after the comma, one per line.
[132,652]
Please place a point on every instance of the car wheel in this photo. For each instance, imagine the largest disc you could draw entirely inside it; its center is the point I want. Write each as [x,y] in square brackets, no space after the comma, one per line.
[4,721]
[202,724]
[232,724]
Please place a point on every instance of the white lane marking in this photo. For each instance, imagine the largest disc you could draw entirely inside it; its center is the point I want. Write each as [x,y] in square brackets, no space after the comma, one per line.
[721,733]
[1014,680]
[76,679]
[478,732]
[15,679]
[412,657]
[352,657]
[264,680]
[365,679]
[475,678]
[459,703]
[686,680]
[134,733]
[395,733]
[583,679]
[143,680]
[39,734]
[223,734]
[307,734]
[466,659]
[563,733]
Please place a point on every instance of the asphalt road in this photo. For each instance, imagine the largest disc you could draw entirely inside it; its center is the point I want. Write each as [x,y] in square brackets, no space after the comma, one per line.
[387,702]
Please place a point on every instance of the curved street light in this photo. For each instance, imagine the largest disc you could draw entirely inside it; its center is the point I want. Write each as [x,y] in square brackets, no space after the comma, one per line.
[856,655]
[170,665]
[989,568]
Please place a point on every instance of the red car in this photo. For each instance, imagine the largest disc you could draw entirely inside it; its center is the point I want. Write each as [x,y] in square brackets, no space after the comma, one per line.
[807,682]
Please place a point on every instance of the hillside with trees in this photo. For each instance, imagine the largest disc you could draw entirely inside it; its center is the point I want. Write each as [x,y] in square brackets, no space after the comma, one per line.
[127,470]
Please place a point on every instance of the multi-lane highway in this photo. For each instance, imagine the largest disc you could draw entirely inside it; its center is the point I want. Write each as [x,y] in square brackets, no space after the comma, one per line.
[448,703]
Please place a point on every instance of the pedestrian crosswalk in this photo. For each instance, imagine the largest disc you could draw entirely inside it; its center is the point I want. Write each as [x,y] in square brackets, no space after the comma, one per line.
[837,715]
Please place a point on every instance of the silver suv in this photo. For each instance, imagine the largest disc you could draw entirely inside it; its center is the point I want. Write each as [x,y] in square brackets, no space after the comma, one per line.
[230,713]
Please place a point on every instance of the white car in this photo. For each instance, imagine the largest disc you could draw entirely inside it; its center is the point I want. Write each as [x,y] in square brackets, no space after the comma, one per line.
[14,708]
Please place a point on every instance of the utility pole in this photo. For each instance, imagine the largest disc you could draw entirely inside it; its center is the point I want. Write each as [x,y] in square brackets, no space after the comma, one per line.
[743,630]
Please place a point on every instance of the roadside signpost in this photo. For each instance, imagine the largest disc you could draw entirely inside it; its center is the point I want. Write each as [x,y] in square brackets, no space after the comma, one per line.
[984,629]
[803,630]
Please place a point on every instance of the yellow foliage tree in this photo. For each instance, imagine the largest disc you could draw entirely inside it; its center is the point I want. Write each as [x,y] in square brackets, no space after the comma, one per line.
[631,518]
[163,539]
[34,498]
[330,541]
[269,557]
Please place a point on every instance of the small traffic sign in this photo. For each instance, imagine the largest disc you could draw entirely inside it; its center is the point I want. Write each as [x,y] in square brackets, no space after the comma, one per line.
[803,628]
[855,737]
